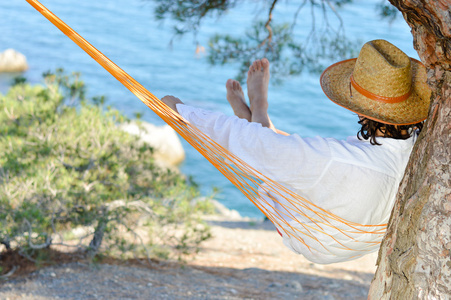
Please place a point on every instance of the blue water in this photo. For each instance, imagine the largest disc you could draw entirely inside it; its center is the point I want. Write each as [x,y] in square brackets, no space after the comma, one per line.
[126,32]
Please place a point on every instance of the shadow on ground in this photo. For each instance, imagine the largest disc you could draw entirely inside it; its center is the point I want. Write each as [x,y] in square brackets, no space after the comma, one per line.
[141,279]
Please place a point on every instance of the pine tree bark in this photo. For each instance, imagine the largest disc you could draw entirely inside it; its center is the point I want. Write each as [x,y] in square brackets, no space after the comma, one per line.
[415,256]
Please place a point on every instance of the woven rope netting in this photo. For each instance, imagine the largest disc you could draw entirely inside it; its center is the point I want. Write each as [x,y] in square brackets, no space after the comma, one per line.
[301,221]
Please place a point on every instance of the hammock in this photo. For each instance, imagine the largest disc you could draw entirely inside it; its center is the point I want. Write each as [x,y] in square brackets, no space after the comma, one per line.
[319,235]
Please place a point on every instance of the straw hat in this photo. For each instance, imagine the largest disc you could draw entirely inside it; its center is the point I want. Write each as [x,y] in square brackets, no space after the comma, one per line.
[382,84]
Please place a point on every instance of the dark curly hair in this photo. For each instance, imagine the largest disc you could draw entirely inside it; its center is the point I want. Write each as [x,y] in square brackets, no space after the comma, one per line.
[370,128]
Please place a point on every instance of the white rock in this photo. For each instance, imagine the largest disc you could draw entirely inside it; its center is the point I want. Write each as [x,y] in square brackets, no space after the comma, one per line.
[12,61]
[222,210]
[163,139]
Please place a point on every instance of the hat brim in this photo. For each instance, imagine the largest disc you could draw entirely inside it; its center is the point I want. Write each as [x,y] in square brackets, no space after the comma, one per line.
[336,84]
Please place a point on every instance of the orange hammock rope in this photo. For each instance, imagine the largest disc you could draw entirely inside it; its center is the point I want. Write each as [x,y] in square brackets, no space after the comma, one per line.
[310,224]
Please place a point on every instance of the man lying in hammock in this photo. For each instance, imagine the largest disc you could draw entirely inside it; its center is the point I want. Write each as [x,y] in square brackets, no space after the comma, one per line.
[355,179]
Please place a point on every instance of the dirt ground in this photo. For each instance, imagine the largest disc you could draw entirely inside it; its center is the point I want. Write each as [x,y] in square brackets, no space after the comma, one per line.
[244,260]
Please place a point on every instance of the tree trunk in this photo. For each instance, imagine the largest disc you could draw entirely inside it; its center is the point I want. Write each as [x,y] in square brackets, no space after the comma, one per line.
[415,256]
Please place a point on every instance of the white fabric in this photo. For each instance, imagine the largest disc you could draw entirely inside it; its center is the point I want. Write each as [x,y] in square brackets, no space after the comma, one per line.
[352,179]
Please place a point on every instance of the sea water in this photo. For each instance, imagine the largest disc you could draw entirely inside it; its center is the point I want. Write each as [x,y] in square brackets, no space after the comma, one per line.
[126,32]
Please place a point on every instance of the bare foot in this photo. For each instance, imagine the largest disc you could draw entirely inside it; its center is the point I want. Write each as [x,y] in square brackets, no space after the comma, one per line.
[257,90]
[235,96]
[257,84]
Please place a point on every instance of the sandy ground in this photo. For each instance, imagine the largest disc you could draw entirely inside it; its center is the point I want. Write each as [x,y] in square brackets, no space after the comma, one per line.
[244,260]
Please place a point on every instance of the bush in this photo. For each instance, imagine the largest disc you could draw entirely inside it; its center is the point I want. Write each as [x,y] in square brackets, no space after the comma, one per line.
[70,178]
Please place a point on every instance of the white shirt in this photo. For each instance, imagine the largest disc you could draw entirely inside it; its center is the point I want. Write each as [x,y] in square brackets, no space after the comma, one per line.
[352,179]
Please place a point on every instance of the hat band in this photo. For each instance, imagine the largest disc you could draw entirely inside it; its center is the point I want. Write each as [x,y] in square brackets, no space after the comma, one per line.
[372,96]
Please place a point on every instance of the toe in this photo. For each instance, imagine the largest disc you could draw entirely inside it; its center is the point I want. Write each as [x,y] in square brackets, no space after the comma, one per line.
[259,65]
[256,65]
[233,85]
[229,84]
[251,67]
[237,86]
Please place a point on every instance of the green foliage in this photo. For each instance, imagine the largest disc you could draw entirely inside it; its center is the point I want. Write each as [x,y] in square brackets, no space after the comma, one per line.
[287,56]
[387,11]
[290,53]
[321,42]
[70,177]
[18,80]
[225,48]
[189,14]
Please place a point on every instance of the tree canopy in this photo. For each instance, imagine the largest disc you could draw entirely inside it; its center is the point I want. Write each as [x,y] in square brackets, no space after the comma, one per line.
[324,39]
